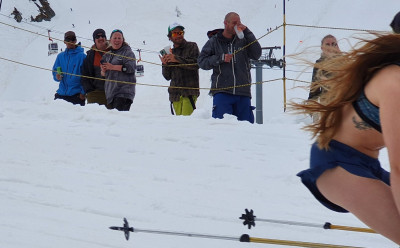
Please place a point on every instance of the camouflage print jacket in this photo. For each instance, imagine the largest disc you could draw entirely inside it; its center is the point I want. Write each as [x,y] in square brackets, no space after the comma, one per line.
[183,76]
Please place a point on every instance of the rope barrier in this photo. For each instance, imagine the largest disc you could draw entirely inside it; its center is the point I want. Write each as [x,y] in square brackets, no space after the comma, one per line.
[298,80]
[152,85]
[62,33]
[176,65]
[90,48]
[336,28]
[173,65]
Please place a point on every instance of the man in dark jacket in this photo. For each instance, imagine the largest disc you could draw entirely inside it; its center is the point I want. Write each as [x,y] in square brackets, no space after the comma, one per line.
[229,57]
[93,84]
[180,66]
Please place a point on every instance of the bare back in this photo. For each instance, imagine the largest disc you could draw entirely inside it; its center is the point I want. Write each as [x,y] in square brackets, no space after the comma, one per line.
[354,131]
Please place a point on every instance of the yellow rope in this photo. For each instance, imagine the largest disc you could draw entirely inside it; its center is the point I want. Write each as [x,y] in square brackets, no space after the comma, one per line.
[174,65]
[336,28]
[297,80]
[126,82]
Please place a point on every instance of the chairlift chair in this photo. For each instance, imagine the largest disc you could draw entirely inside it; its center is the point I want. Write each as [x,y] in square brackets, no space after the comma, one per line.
[139,70]
[53,48]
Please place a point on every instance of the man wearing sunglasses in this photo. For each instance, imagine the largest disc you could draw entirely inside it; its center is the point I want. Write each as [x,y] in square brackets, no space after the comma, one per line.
[228,53]
[93,83]
[67,71]
[180,66]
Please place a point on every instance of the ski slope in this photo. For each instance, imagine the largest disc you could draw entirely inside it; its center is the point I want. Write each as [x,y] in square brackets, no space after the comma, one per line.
[69,172]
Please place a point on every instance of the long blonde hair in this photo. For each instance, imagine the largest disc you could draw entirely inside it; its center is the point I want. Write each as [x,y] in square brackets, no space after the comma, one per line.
[348,74]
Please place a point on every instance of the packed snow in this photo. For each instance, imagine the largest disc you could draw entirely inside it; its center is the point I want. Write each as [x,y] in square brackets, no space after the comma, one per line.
[68,173]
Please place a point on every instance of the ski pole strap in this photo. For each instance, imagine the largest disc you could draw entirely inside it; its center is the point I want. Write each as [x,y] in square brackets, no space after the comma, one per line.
[192,102]
[172,109]
[348,228]
[247,238]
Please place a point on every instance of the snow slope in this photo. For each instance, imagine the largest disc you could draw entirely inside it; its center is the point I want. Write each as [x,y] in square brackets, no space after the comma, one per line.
[69,172]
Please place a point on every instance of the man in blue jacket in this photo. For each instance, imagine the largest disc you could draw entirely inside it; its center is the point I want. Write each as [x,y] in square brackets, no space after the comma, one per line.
[224,52]
[67,71]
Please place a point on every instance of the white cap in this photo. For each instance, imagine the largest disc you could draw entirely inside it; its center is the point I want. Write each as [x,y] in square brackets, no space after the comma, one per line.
[174,25]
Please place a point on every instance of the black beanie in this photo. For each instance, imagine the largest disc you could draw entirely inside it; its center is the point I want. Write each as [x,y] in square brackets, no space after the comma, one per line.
[97,32]
[396,23]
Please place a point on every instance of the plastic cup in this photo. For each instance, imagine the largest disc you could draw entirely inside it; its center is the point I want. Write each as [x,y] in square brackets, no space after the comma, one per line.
[239,32]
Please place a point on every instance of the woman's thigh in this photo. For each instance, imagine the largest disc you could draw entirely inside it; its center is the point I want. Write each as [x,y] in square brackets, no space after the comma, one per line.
[369,199]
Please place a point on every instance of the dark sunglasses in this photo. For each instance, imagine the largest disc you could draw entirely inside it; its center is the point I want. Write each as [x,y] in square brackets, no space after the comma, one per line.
[70,39]
[334,44]
[100,36]
[174,34]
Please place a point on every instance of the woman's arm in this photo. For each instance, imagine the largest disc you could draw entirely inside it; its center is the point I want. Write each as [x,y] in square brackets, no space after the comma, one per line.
[387,92]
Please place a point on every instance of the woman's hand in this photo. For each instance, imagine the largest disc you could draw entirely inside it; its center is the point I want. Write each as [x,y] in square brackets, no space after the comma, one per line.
[107,66]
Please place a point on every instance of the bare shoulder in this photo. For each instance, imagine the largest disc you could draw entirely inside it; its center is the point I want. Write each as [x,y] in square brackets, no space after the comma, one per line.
[388,75]
[384,84]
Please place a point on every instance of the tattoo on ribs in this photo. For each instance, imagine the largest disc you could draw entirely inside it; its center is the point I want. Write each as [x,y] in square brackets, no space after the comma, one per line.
[360,125]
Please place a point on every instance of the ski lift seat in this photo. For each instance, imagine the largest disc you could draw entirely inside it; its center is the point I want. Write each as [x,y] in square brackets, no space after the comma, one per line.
[139,70]
[53,48]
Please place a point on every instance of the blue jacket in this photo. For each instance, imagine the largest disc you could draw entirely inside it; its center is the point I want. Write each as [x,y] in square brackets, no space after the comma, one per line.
[234,77]
[70,61]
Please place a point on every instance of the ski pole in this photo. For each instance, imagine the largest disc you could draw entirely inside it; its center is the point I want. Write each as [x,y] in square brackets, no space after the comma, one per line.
[244,238]
[249,220]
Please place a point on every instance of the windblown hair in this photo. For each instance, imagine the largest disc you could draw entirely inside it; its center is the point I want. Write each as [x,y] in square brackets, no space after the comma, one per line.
[348,74]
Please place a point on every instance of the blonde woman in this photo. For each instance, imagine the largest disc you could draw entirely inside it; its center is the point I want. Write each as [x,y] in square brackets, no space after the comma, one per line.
[118,66]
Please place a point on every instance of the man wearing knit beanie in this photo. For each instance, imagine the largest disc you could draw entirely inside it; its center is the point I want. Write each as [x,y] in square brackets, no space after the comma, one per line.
[396,23]
[93,84]
[98,32]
